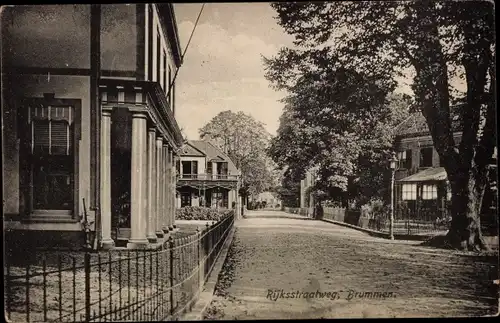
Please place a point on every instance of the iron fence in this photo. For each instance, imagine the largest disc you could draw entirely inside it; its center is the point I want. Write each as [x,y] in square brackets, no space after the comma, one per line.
[115,285]
[406,223]
[300,211]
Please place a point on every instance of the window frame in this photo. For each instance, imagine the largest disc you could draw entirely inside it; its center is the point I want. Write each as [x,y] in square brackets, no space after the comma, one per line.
[405,160]
[150,41]
[169,85]
[165,85]
[430,149]
[409,192]
[26,181]
[158,55]
[429,192]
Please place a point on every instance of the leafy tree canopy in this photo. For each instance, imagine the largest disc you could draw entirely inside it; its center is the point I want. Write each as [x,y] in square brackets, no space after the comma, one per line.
[346,59]
[245,140]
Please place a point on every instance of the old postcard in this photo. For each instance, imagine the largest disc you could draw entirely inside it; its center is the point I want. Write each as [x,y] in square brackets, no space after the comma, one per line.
[247,161]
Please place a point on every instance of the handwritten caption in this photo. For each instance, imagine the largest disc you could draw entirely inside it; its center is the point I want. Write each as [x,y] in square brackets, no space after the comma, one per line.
[275,294]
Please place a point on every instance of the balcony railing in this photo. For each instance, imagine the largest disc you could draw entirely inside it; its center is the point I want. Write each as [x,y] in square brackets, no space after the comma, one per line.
[208,177]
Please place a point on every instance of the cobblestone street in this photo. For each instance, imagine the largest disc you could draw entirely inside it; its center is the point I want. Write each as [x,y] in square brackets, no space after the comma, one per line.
[275,253]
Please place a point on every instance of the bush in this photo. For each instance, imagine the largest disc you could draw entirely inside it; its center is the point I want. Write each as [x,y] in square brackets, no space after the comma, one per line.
[375,209]
[201,213]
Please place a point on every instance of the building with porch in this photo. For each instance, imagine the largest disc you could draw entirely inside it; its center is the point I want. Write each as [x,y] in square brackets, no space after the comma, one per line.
[89,125]
[422,192]
[206,177]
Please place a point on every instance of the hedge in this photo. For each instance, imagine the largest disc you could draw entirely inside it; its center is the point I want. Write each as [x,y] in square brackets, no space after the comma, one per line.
[201,213]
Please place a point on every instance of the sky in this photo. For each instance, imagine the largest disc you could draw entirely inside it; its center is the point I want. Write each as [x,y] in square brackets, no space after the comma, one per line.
[223,69]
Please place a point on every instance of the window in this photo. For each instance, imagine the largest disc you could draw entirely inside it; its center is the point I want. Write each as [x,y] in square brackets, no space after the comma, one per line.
[189,169]
[209,168]
[429,192]
[404,158]
[185,199]
[194,168]
[165,85]
[222,170]
[158,58]
[409,192]
[150,42]
[225,200]
[169,83]
[50,166]
[426,157]
[173,97]
[220,199]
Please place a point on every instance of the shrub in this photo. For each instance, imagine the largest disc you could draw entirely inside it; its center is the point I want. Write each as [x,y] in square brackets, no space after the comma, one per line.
[201,213]
[375,209]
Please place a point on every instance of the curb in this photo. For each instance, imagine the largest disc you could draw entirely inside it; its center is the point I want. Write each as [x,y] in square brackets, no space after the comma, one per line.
[382,234]
[206,295]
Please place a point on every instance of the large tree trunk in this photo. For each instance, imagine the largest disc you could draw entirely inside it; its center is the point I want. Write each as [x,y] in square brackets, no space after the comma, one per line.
[467,194]
[467,175]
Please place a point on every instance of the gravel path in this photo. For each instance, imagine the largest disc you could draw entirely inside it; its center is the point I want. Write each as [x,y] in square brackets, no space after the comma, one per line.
[274,253]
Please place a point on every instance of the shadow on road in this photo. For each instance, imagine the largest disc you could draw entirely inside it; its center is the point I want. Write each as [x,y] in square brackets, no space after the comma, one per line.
[272,214]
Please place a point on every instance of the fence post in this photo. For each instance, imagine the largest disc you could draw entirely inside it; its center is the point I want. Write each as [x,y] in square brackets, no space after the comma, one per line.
[198,238]
[87,285]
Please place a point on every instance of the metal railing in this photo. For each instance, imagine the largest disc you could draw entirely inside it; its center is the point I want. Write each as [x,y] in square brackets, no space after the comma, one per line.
[300,211]
[208,177]
[116,285]
[405,223]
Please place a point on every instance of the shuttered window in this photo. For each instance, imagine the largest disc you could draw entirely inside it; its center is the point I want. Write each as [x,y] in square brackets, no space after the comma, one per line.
[41,136]
[50,133]
[51,130]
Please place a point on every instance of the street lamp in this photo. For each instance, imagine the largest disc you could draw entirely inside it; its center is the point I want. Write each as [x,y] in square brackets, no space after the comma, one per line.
[393,163]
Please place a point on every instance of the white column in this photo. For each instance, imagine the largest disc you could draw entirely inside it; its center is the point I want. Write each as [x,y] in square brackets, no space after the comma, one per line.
[214,170]
[165,189]
[159,187]
[237,211]
[138,183]
[230,198]
[106,241]
[178,201]
[173,184]
[168,197]
[151,227]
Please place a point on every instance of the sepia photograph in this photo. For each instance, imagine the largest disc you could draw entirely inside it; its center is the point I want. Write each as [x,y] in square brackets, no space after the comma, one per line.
[249,161]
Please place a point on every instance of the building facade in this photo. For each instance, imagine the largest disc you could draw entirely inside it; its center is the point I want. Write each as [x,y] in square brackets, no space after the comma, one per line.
[89,127]
[306,196]
[422,191]
[206,177]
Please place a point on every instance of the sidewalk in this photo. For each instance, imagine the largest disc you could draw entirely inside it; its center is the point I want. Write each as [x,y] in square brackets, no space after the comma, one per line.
[272,256]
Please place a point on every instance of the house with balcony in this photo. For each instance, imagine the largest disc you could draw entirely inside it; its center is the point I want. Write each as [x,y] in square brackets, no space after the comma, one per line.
[89,127]
[206,177]
[422,192]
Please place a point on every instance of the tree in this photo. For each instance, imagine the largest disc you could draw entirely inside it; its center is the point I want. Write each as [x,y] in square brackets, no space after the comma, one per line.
[245,141]
[288,190]
[437,41]
[340,123]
